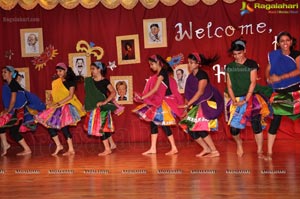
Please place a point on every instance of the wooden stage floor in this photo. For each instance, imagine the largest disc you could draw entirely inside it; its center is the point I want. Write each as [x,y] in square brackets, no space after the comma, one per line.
[128,174]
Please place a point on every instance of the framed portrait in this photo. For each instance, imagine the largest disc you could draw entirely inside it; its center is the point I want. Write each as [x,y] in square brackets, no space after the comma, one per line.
[80,64]
[24,78]
[155,33]
[128,49]
[31,42]
[181,73]
[48,97]
[123,86]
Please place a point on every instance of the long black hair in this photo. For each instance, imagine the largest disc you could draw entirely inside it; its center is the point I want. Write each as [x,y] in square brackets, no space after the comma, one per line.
[161,61]
[202,60]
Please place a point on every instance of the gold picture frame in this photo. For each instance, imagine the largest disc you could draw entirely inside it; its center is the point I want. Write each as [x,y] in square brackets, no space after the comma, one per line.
[181,72]
[80,63]
[48,97]
[123,87]
[24,79]
[128,49]
[155,33]
[31,42]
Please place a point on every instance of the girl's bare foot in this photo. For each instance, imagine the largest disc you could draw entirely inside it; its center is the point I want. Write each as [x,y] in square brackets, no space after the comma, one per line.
[69,153]
[113,146]
[58,149]
[260,155]
[268,157]
[25,152]
[5,148]
[213,154]
[150,151]
[239,150]
[104,153]
[172,152]
[203,152]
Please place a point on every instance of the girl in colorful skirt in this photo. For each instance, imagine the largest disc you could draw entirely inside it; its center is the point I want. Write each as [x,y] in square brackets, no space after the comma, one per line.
[161,101]
[19,105]
[282,74]
[99,106]
[206,105]
[65,109]
[244,103]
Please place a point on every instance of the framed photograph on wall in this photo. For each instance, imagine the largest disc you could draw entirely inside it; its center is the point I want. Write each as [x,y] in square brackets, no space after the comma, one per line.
[181,73]
[24,78]
[155,33]
[123,86]
[31,42]
[128,49]
[48,97]
[80,64]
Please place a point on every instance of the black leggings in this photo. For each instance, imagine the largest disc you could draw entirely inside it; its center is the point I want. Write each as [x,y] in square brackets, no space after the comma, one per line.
[105,136]
[13,132]
[255,123]
[197,134]
[65,130]
[154,129]
[275,123]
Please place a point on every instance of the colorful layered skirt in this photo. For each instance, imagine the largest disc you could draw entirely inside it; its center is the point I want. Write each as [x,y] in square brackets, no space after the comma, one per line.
[98,122]
[239,116]
[286,104]
[161,115]
[58,117]
[195,119]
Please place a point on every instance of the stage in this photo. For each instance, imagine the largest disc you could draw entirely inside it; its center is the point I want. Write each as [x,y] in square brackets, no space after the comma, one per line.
[128,174]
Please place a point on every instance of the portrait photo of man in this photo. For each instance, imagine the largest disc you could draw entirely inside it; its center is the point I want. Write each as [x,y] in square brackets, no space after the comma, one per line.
[79,64]
[31,43]
[181,78]
[155,33]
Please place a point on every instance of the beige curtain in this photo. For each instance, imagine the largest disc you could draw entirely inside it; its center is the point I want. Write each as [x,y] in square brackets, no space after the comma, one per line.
[111,4]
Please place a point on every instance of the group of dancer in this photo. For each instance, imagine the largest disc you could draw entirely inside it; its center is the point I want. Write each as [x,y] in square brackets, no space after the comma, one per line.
[161,103]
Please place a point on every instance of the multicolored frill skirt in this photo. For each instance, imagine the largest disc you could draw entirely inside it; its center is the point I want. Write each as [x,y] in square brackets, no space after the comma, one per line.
[238,116]
[196,121]
[286,104]
[58,117]
[98,122]
[22,114]
[161,115]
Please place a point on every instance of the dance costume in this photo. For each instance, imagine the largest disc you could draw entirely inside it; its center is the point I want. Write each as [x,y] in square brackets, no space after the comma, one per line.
[255,110]
[20,118]
[202,117]
[67,114]
[285,99]
[161,108]
[99,119]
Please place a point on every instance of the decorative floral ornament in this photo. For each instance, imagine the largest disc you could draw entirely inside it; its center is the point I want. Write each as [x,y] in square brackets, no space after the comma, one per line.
[112,65]
[90,49]
[47,55]
[175,60]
